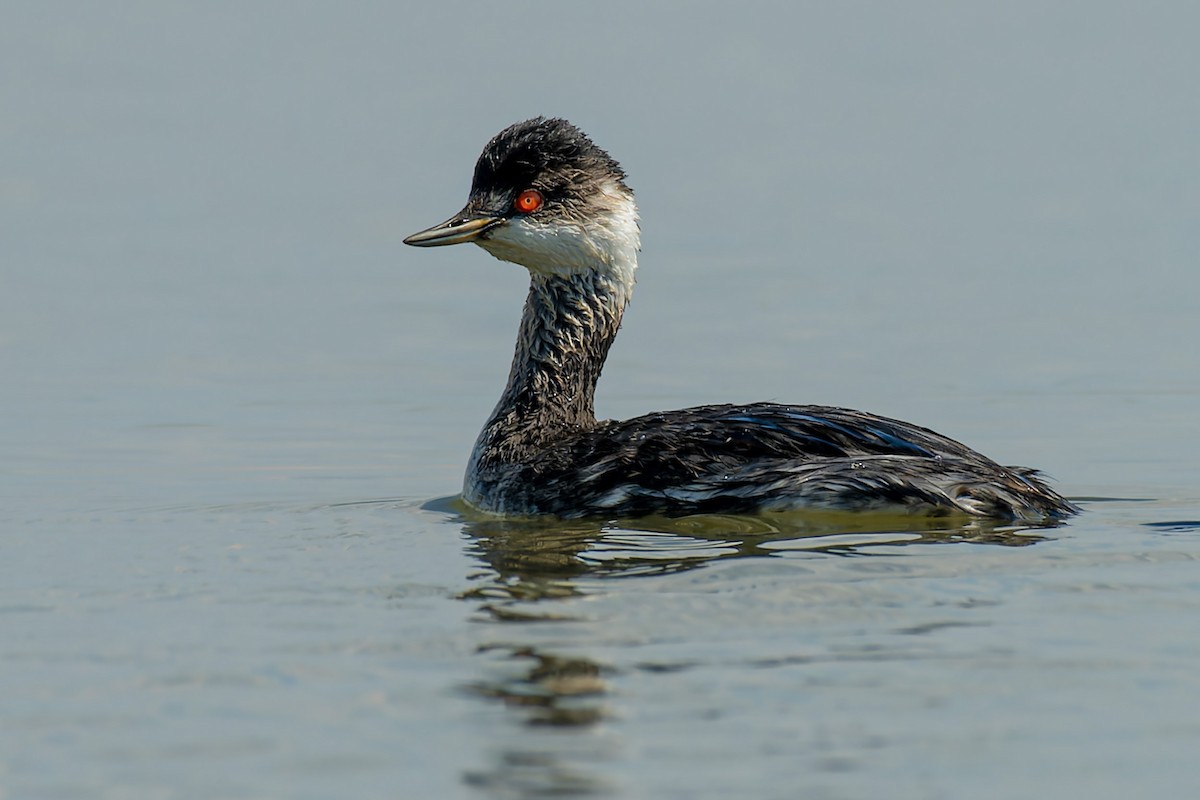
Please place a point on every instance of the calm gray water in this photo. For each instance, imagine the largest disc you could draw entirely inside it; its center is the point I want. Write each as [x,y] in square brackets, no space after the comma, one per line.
[236,409]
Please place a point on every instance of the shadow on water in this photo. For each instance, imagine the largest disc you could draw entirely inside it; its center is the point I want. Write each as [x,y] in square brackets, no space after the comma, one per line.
[528,564]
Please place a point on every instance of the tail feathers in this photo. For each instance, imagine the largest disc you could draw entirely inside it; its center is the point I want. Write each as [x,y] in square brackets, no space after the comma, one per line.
[1014,493]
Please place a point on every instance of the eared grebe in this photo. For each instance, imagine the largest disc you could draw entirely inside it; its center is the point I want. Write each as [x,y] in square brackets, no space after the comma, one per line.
[544,196]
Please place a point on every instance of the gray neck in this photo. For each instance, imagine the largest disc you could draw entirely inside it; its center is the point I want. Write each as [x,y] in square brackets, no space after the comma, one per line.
[569,323]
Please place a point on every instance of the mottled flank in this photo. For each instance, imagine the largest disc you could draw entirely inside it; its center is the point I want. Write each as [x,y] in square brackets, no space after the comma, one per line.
[742,459]
[542,451]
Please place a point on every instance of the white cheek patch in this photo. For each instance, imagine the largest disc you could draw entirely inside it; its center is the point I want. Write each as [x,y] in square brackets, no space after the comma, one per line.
[541,248]
[607,243]
[623,235]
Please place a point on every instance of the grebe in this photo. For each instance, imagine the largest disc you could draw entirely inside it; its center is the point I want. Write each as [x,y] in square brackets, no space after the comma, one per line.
[546,197]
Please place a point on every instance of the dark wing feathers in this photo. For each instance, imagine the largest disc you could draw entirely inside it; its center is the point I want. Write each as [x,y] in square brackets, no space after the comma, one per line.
[742,458]
[734,435]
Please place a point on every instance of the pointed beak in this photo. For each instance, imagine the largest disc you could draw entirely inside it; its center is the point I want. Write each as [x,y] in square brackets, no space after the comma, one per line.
[465,226]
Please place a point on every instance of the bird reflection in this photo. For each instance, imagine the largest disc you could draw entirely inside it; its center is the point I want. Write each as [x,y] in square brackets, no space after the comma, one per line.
[553,692]
[532,560]
[526,565]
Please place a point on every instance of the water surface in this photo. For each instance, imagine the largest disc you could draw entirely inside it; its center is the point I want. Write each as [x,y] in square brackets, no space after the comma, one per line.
[237,409]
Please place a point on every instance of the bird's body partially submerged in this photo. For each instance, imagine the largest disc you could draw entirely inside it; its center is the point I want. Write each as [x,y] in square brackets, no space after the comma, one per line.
[546,197]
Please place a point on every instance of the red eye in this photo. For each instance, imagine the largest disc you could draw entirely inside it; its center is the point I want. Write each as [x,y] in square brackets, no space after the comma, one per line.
[529,201]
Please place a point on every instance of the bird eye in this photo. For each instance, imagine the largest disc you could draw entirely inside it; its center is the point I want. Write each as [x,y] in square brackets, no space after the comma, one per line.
[528,201]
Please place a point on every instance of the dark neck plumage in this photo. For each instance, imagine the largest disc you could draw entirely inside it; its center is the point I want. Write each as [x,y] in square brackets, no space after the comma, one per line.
[567,327]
